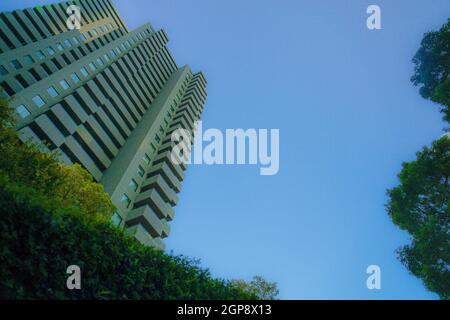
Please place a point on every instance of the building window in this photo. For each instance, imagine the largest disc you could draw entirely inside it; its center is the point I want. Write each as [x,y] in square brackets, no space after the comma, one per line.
[59,46]
[113,53]
[67,43]
[64,84]
[83,37]
[50,51]
[146,159]
[3,71]
[116,219]
[133,185]
[125,200]
[94,32]
[92,66]
[157,138]
[40,55]
[141,171]
[28,59]
[75,40]
[52,92]
[38,101]
[16,64]
[23,111]
[74,77]
[84,72]
[99,61]
[106,58]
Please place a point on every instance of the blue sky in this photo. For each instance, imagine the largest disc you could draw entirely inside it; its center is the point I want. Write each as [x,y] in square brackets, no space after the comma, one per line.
[348,116]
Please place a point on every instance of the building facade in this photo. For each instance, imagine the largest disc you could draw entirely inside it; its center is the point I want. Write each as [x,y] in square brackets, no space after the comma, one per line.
[105,97]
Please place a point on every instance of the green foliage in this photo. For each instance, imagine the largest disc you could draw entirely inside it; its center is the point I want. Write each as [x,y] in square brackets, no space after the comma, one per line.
[26,164]
[421,205]
[258,287]
[78,188]
[40,239]
[432,67]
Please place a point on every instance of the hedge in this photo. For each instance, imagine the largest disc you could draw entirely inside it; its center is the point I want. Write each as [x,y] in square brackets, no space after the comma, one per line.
[40,239]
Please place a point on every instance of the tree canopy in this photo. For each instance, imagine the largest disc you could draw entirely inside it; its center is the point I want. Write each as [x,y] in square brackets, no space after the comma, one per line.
[432,68]
[258,287]
[421,206]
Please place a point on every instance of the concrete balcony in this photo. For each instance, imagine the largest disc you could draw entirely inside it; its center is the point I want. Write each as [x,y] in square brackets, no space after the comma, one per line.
[153,199]
[147,218]
[144,237]
[176,168]
[158,183]
[164,170]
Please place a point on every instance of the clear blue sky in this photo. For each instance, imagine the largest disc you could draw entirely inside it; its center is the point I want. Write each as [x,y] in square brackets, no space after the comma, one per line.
[348,116]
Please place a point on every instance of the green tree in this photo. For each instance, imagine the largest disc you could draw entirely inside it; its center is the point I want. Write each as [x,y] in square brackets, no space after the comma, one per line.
[421,206]
[432,67]
[259,287]
[25,163]
[77,187]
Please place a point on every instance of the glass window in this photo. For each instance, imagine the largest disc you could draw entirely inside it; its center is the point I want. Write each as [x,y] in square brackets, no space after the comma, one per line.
[52,92]
[28,59]
[64,84]
[100,61]
[101,28]
[116,219]
[133,185]
[113,53]
[75,40]
[3,71]
[74,77]
[123,47]
[40,55]
[38,101]
[16,64]
[67,43]
[22,111]
[94,32]
[50,51]
[141,171]
[59,46]
[92,66]
[157,139]
[83,37]
[125,200]
[84,72]
[146,159]
[106,58]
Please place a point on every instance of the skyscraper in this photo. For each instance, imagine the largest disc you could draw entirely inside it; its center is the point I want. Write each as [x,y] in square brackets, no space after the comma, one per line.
[105,97]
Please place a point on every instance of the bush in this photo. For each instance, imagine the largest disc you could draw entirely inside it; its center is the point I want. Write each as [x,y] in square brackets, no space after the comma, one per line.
[40,239]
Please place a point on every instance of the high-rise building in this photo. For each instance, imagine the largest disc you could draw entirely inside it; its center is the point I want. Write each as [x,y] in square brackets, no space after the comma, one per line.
[105,97]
